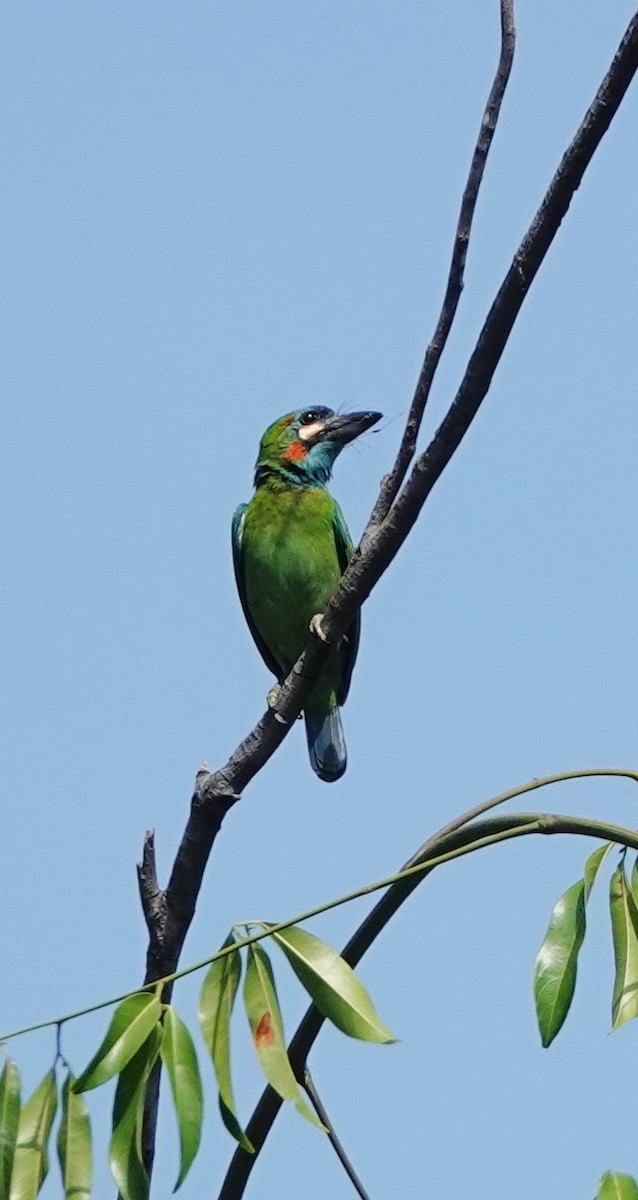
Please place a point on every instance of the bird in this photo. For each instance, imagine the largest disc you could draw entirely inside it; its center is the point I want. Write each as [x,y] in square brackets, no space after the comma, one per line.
[291,546]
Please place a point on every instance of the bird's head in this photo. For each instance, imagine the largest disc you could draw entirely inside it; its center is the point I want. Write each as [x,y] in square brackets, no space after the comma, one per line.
[303,445]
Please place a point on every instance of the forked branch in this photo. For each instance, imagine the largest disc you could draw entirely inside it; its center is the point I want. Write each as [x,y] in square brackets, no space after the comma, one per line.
[170,912]
[392,482]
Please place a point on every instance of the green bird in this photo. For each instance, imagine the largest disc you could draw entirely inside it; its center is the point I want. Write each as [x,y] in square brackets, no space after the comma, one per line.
[290,548]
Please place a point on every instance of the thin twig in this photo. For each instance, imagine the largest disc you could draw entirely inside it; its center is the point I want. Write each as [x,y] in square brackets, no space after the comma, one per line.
[382,545]
[392,482]
[427,855]
[369,562]
[336,1144]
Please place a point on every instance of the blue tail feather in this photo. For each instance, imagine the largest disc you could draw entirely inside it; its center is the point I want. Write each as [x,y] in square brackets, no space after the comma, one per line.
[326,744]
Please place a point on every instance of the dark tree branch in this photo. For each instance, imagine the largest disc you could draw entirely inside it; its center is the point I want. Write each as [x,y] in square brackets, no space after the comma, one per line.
[169,913]
[151,894]
[270,1103]
[335,1142]
[443,842]
[392,482]
[215,793]
[381,546]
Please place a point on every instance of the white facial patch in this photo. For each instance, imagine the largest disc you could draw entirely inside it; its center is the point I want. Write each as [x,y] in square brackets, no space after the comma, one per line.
[308,432]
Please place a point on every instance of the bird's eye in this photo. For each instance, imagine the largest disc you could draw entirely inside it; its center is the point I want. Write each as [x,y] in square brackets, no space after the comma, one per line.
[310,416]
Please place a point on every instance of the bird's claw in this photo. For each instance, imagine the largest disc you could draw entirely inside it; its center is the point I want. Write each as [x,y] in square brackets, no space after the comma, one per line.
[272,700]
[316,627]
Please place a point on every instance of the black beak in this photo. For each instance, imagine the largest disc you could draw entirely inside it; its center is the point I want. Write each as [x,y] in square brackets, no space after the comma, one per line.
[345,427]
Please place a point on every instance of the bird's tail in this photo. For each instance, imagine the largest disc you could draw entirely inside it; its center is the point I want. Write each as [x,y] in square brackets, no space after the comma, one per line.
[326,743]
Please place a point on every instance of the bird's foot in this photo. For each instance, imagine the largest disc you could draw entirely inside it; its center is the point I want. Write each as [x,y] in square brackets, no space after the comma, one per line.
[272,700]
[316,627]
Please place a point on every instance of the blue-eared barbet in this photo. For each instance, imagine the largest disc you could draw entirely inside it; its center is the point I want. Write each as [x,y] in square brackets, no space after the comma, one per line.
[290,549]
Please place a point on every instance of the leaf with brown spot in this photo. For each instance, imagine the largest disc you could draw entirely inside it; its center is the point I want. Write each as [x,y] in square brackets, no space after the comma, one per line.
[264,1017]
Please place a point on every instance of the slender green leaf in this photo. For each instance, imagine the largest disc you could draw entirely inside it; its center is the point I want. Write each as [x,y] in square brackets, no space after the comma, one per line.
[31,1163]
[264,1016]
[624,927]
[593,865]
[180,1060]
[557,961]
[634,880]
[130,1026]
[125,1148]
[74,1145]
[332,985]
[9,1119]
[617,1187]
[216,1002]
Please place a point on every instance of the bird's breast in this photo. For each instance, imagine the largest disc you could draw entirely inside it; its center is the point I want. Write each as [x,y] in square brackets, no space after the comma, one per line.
[291,568]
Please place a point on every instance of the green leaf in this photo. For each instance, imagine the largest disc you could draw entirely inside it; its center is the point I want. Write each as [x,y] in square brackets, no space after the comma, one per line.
[180,1060]
[9,1119]
[125,1148]
[617,1187]
[31,1163]
[130,1026]
[332,985]
[216,1002]
[624,927]
[74,1145]
[557,961]
[264,1016]
[593,865]
[634,880]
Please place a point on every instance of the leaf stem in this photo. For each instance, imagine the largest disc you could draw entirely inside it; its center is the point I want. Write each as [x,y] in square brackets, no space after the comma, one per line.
[502,829]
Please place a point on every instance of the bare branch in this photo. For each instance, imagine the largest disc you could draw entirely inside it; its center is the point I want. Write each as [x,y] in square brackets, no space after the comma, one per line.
[170,914]
[151,894]
[379,546]
[392,482]
[383,544]
[216,793]
[335,1142]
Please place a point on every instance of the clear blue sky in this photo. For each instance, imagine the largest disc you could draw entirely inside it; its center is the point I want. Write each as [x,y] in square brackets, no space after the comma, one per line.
[211,213]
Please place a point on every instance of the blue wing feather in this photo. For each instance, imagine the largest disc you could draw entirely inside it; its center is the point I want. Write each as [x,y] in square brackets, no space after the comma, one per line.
[343,542]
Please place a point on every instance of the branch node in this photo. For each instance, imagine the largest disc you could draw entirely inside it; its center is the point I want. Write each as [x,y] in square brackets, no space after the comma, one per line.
[546,823]
[211,792]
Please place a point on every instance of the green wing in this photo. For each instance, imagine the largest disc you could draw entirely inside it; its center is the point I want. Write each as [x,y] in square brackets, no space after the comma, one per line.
[237,534]
[343,542]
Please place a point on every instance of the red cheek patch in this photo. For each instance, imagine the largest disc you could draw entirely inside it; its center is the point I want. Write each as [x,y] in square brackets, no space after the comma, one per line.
[296,451]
